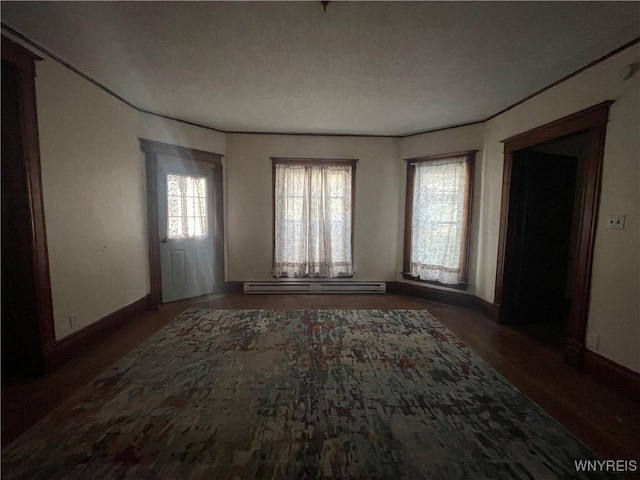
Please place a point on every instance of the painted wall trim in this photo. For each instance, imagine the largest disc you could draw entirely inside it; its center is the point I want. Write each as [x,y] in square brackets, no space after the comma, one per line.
[61,351]
[47,52]
[621,378]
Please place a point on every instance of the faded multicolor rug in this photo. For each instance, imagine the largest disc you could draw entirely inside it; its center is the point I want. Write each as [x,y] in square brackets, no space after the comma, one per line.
[226,394]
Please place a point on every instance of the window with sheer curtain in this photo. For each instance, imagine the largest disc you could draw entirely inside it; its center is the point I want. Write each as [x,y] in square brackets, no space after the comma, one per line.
[437,218]
[313,215]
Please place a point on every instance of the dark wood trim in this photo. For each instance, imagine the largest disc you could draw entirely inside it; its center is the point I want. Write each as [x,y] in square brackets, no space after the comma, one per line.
[314,161]
[408,216]
[161,148]
[470,156]
[576,122]
[592,121]
[572,352]
[491,310]
[155,295]
[19,56]
[107,90]
[179,120]
[47,52]
[152,149]
[441,156]
[412,278]
[310,134]
[440,129]
[233,287]
[61,351]
[24,61]
[566,77]
[621,378]
[449,297]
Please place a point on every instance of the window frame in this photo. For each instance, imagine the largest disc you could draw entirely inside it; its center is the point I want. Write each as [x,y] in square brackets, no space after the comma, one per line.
[311,162]
[470,156]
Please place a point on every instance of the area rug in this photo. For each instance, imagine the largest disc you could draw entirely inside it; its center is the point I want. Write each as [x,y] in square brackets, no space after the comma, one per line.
[233,394]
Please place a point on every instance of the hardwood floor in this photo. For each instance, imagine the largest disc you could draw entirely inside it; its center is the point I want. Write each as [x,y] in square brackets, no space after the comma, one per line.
[606,421]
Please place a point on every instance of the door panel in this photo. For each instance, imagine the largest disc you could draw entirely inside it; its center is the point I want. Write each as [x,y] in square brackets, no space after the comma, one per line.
[186,228]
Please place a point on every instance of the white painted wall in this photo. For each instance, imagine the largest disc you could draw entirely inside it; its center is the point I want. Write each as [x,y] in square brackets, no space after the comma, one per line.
[614,312]
[164,130]
[452,140]
[94,197]
[250,200]
[95,201]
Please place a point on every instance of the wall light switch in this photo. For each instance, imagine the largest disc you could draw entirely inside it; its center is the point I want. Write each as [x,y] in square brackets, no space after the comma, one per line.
[615,222]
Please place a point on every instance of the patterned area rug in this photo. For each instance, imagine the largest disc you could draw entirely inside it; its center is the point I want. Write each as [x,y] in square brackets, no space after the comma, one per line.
[226,394]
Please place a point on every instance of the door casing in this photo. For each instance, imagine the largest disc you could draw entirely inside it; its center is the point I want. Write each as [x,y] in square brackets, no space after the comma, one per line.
[593,121]
[31,209]
[152,149]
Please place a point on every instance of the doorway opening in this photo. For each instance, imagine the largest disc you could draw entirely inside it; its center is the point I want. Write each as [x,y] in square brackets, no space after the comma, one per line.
[548,218]
[545,202]
[27,315]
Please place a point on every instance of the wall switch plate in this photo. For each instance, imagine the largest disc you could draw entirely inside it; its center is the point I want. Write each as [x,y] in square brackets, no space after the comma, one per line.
[615,222]
[593,342]
[73,319]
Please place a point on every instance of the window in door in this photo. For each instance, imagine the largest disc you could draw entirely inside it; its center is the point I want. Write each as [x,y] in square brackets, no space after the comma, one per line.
[186,207]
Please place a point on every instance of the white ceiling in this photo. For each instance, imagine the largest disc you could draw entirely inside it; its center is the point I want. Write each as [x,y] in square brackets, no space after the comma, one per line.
[382,68]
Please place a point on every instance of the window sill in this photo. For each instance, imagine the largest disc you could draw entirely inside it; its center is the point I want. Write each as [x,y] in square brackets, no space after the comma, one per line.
[457,286]
[313,278]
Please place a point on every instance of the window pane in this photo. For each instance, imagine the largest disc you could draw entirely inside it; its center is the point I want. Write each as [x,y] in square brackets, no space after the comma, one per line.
[438,219]
[312,220]
[186,207]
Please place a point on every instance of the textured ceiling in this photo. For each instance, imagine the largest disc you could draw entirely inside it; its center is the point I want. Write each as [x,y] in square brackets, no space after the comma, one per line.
[385,68]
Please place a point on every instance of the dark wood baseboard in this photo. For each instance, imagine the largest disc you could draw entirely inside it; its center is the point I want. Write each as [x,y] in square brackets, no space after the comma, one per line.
[434,294]
[61,351]
[623,379]
[572,352]
[491,310]
[448,297]
[233,287]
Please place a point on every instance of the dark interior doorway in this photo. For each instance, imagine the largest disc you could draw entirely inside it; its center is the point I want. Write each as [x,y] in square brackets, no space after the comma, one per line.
[20,339]
[27,315]
[544,207]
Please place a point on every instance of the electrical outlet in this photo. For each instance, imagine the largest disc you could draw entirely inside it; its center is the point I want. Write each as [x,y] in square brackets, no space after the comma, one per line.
[73,319]
[615,222]
[593,342]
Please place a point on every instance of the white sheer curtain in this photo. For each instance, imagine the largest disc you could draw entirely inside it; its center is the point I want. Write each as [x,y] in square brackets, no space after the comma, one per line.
[186,207]
[312,221]
[439,192]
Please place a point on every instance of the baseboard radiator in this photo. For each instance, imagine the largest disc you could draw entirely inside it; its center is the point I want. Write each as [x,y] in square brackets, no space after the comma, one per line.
[276,287]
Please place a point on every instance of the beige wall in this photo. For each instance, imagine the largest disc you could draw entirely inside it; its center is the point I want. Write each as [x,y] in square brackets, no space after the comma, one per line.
[614,312]
[452,140]
[94,196]
[164,130]
[94,192]
[250,199]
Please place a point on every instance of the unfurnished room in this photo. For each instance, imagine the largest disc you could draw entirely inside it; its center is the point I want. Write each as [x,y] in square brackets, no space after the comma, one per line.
[304,239]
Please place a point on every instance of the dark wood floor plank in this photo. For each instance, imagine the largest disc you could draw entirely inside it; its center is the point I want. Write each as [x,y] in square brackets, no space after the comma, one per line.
[606,421]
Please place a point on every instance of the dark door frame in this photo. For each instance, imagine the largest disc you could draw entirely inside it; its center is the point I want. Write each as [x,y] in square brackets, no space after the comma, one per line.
[33,212]
[593,121]
[152,149]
